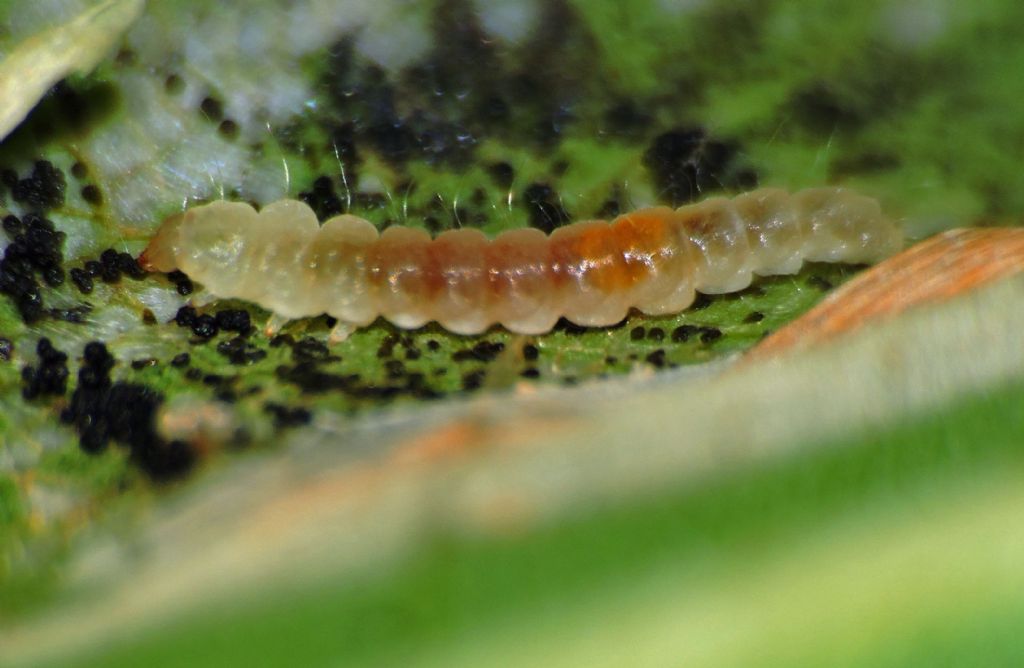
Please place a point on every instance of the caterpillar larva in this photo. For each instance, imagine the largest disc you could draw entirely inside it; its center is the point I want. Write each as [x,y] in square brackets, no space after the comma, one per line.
[591,272]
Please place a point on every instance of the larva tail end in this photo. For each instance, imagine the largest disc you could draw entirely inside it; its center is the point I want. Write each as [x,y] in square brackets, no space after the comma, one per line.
[160,253]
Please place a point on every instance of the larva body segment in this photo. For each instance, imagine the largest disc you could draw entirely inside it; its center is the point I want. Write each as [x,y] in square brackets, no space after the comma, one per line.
[590,272]
[338,258]
[519,281]
[775,232]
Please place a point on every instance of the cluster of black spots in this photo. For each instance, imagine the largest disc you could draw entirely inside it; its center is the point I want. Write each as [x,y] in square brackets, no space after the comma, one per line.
[530,352]
[530,372]
[148,317]
[234,320]
[544,207]
[141,364]
[82,280]
[309,378]
[463,91]
[83,277]
[753,316]
[35,249]
[309,349]
[42,189]
[637,334]
[110,267]
[710,334]
[237,350]
[483,351]
[102,411]
[124,262]
[366,99]
[684,333]
[181,360]
[686,164]
[322,199]
[6,349]
[182,283]
[656,334]
[388,343]
[204,326]
[50,377]
[285,417]
[223,386]
[306,372]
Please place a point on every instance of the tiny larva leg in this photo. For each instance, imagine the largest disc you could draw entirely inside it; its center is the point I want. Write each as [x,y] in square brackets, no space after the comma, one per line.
[202,297]
[341,331]
[274,324]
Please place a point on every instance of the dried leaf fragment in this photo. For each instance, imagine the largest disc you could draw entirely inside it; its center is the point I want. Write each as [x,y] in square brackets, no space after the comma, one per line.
[936,269]
[45,58]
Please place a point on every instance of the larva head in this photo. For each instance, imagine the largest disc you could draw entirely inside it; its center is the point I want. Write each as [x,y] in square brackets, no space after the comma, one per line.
[210,229]
[161,253]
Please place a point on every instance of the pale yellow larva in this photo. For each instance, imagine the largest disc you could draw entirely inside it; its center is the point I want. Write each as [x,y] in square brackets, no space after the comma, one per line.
[591,272]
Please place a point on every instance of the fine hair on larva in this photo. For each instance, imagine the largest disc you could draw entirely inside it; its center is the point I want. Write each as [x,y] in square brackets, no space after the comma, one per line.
[592,272]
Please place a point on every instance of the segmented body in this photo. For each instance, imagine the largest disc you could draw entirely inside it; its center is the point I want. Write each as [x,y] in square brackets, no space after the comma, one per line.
[591,272]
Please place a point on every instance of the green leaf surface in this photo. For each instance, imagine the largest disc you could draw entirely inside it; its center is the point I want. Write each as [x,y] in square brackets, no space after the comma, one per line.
[491,115]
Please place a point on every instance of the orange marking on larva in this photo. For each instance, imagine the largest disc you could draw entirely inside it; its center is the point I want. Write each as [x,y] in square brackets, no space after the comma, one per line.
[590,271]
[642,237]
[600,260]
[696,222]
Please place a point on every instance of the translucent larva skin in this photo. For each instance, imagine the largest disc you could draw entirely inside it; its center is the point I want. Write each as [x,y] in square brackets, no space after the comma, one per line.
[591,272]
